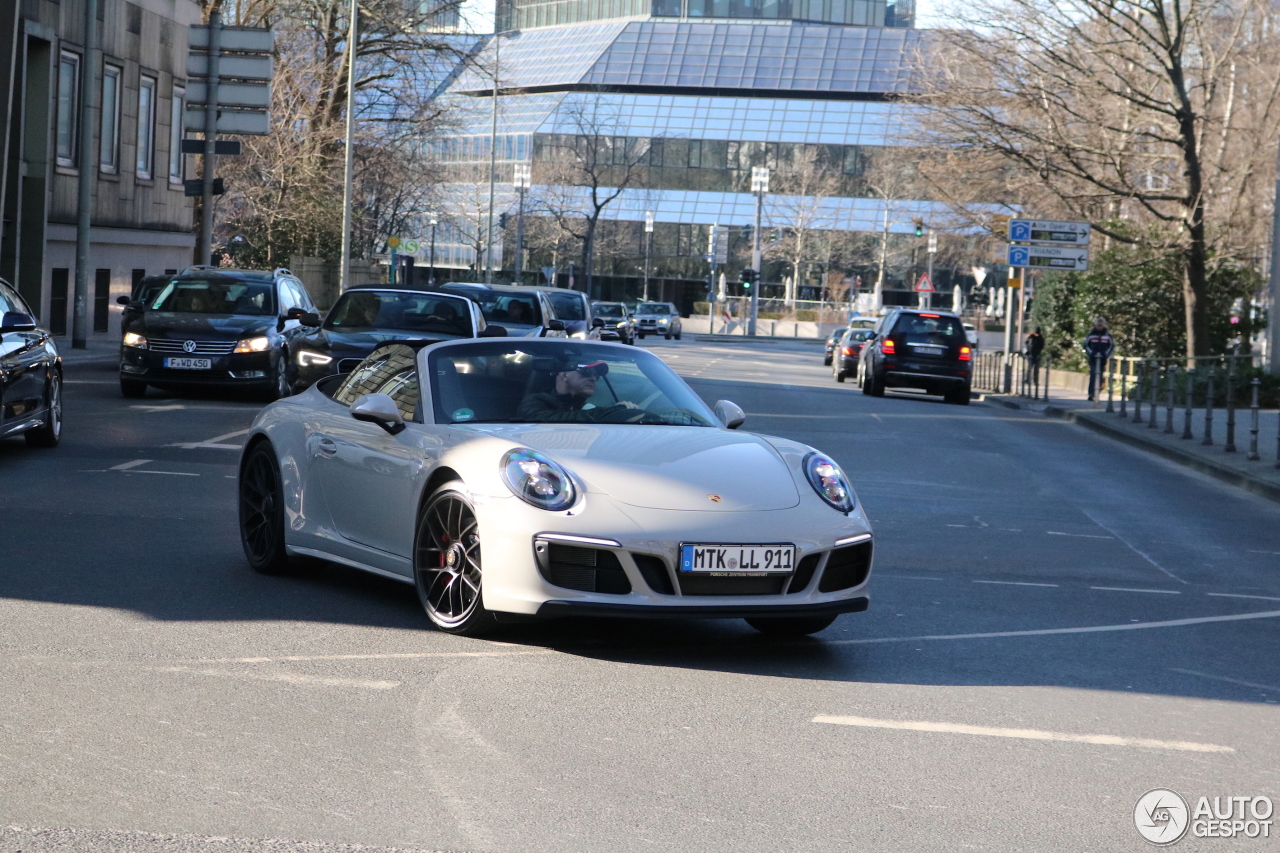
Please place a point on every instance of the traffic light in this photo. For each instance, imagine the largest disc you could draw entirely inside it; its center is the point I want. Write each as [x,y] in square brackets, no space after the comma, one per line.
[748,277]
[919,227]
[502,220]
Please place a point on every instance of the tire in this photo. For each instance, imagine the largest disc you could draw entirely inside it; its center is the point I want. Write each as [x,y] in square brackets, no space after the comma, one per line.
[826,361]
[51,433]
[840,375]
[281,387]
[667,336]
[132,389]
[262,512]
[875,386]
[678,334]
[642,336]
[790,626]
[959,398]
[446,563]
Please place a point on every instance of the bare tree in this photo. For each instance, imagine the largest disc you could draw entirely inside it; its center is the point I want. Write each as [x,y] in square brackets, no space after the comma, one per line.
[1152,119]
[799,206]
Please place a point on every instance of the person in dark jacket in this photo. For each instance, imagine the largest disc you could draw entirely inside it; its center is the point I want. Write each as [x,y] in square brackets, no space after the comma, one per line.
[1098,348]
[567,403]
[1033,347]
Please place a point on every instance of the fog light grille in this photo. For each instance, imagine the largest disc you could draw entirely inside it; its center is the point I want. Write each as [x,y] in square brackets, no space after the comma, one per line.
[846,567]
[583,569]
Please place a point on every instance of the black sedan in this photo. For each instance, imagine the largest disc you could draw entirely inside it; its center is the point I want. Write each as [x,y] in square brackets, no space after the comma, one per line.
[367,316]
[848,351]
[219,328]
[30,374]
[832,340]
[525,312]
[927,350]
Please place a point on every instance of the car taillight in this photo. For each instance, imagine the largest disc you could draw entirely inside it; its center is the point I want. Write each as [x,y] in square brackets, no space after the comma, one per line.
[847,350]
[887,347]
[964,354]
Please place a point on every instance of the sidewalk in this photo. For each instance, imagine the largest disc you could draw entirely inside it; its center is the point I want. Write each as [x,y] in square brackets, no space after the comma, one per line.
[101,349]
[1260,476]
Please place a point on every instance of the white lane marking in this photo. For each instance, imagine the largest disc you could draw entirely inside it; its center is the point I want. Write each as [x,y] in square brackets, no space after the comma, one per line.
[169,473]
[910,577]
[1130,589]
[1248,551]
[1227,680]
[125,466]
[1018,583]
[388,656]
[215,442]
[1130,546]
[1233,595]
[1023,734]
[286,677]
[1077,535]
[957,525]
[89,382]
[169,408]
[1044,632]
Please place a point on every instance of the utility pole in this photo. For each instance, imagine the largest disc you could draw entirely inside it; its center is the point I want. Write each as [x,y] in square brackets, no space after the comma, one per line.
[648,250]
[759,186]
[1273,315]
[344,280]
[431,276]
[84,182]
[933,247]
[493,157]
[523,179]
[1011,297]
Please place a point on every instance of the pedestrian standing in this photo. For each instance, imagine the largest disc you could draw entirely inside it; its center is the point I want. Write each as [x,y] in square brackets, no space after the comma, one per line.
[1032,349]
[1098,347]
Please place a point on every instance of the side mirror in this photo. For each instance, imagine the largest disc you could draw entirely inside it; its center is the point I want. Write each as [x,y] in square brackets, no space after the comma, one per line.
[379,409]
[123,300]
[294,314]
[14,321]
[597,322]
[555,325]
[730,414]
[492,331]
[309,318]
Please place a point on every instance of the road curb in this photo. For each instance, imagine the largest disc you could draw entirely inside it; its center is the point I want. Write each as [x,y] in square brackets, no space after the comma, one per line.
[1189,460]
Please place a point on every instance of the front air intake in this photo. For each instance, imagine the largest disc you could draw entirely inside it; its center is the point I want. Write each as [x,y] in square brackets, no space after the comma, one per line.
[846,567]
[583,569]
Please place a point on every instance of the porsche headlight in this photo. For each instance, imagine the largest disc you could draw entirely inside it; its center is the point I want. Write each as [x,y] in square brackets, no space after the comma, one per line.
[307,358]
[258,344]
[829,481]
[132,339]
[537,480]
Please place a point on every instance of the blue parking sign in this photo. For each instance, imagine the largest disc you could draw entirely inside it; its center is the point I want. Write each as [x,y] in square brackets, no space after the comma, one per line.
[1019,256]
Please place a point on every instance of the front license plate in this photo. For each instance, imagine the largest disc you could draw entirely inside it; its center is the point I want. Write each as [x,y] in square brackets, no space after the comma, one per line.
[188,363]
[737,558]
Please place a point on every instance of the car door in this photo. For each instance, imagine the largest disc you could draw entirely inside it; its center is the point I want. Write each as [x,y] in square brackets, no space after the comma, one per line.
[368,476]
[22,366]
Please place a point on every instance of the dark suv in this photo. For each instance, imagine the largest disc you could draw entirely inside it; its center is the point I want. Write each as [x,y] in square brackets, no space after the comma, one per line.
[914,348]
[218,327]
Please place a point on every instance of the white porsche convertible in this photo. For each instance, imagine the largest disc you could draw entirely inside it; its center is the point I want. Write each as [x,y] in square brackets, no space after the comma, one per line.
[593,478]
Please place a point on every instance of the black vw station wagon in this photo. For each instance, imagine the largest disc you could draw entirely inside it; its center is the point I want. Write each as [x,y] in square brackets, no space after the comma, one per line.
[915,348]
[30,374]
[211,327]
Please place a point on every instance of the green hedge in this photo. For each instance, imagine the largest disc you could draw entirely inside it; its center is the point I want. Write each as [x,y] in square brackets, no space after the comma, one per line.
[770,315]
[702,308]
[806,315]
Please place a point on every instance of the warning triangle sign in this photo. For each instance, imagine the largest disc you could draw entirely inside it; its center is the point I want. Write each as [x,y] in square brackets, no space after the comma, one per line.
[925,284]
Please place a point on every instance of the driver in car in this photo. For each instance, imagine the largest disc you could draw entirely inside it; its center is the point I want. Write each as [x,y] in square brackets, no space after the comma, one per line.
[575,384]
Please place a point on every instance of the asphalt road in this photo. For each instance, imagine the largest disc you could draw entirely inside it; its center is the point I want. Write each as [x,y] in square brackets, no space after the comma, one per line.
[1119,614]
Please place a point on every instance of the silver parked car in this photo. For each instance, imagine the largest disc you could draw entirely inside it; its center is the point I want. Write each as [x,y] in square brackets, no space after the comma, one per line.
[658,318]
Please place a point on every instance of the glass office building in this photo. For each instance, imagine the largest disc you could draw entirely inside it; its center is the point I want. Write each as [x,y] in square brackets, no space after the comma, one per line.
[686,97]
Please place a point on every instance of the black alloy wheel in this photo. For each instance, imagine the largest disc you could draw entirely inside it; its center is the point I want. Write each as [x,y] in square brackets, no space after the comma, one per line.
[790,626]
[50,433]
[262,511]
[132,389]
[446,564]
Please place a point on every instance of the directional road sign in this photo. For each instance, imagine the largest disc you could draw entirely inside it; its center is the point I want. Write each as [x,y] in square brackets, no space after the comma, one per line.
[231,94]
[1049,231]
[237,67]
[1049,257]
[249,39]
[925,284]
[253,122]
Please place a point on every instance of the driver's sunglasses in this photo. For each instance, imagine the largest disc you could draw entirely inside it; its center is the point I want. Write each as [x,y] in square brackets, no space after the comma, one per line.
[594,370]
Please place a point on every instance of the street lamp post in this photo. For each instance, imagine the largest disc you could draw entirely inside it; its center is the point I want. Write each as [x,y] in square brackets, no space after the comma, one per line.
[648,249]
[493,159]
[927,298]
[431,276]
[759,186]
[522,180]
[348,164]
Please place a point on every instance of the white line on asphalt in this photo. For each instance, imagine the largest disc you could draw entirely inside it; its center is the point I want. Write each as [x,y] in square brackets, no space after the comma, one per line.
[1129,545]
[1261,552]
[287,677]
[169,473]
[1227,680]
[388,656]
[1233,595]
[169,408]
[957,525]
[910,577]
[1130,589]
[1024,734]
[214,442]
[1045,632]
[1018,583]
[1077,535]
[125,466]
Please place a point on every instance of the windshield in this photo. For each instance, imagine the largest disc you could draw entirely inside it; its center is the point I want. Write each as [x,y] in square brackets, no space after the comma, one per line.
[653,308]
[508,309]
[365,310]
[929,329]
[510,382]
[615,311]
[568,306]
[213,296]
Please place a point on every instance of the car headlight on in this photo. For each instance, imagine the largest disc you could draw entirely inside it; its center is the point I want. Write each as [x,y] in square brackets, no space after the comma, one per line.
[582,336]
[259,344]
[137,341]
[537,480]
[307,358]
[829,481]
[663,320]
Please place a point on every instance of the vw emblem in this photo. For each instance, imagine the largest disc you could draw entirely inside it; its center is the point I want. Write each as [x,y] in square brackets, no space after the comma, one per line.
[189,346]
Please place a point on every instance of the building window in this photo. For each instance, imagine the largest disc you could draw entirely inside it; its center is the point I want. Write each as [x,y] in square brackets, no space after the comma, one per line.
[695,153]
[101,300]
[684,240]
[175,135]
[146,126]
[109,142]
[68,107]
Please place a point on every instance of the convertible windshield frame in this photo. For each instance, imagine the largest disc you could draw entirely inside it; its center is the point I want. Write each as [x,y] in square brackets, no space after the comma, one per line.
[490,381]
